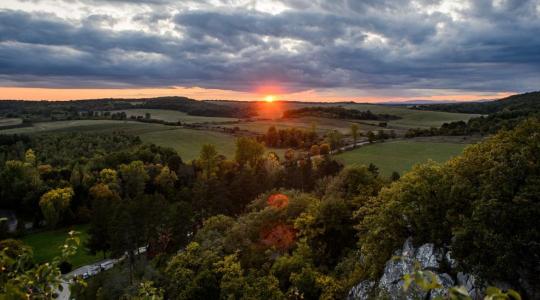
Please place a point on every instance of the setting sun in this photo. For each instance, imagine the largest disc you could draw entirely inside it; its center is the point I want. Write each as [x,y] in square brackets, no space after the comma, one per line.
[269,98]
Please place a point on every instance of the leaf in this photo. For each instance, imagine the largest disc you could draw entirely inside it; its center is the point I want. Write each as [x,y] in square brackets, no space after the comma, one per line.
[491,291]
[513,294]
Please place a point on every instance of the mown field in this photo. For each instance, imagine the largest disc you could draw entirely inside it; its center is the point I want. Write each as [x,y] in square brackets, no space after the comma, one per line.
[9,122]
[187,142]
[46,245]
[173,116]
[322,125]
[401,155]
[410,118]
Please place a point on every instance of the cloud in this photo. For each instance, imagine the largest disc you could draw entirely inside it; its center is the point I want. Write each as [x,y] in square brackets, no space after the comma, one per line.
[378,46]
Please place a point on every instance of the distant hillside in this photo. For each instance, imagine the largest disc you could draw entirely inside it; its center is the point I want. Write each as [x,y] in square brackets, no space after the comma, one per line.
[48,109]
[520,102]
[500,114]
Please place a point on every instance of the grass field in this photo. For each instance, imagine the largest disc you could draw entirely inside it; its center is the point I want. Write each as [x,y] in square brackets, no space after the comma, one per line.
[322,125]
[46,245]
[9,121]
[173,116]
[187,142]
[401,155]
[411,118]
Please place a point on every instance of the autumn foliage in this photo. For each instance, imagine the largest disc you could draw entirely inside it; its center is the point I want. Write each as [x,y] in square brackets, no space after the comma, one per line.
[280,236]
[278,200]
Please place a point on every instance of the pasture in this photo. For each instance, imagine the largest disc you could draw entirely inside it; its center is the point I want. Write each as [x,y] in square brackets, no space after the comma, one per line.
[401,155]
[187,142]
[4,122]
[173,116]
[321,125]
[46,245]
[410,118]
[270,114]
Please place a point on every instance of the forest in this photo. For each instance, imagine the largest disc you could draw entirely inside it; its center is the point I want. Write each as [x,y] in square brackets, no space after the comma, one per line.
[259,227]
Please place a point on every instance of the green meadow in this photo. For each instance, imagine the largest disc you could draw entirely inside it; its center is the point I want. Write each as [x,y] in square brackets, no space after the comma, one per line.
[172,116]
[400,155]
[46,245]
[187,142]
[412,118]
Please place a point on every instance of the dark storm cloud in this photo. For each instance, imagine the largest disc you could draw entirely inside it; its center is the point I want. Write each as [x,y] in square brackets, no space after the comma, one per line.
[374,45]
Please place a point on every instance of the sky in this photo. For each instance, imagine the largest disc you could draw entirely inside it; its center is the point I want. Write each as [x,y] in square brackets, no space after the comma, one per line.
[305,50]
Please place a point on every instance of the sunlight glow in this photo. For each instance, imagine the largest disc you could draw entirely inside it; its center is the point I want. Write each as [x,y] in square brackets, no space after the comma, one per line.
[269,98]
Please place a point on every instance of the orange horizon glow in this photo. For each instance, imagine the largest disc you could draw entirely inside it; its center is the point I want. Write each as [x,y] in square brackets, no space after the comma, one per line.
[198,93]
[269,98]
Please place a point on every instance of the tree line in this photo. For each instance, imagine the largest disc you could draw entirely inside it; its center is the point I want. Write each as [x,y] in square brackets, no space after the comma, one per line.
[34,111]
[336,112]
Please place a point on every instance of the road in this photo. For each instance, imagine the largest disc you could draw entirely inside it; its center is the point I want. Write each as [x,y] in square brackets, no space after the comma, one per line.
[91,270]
[350,147]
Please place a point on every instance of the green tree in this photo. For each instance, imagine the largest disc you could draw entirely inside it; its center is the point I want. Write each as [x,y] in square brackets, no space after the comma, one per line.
[21,186]
[166,181]
[371,137]
[110,178]
[103,203]
[354,133]
[248,151]
[134,178]
[191,274]
[327,227]
[30,158]
[54,203]
[335,139]
[208,161]
[272,137]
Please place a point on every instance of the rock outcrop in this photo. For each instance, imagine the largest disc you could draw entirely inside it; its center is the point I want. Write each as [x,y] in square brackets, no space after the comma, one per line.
[428,257]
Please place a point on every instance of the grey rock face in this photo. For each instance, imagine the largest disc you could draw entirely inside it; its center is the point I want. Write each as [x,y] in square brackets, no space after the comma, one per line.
[446,281]
[361,291]
[428,257]
[470,283]
[391,282]
[450,260]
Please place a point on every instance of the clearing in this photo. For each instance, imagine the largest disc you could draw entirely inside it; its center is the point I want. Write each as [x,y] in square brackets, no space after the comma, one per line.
[401,155]
[46,245]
